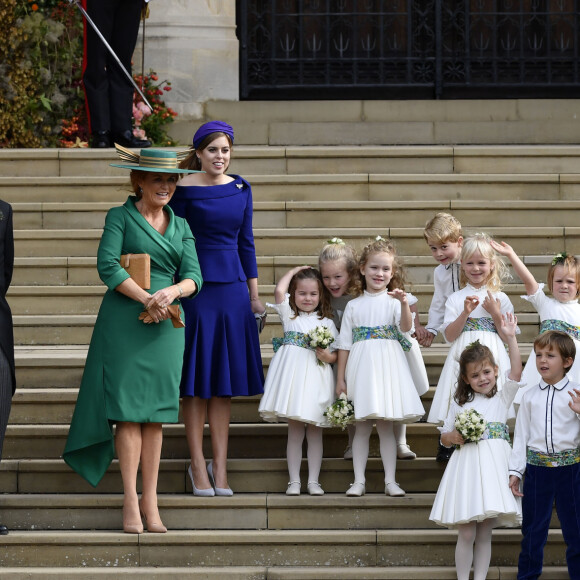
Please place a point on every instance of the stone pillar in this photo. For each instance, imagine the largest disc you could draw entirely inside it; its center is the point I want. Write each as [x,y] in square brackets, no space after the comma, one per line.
[193,44]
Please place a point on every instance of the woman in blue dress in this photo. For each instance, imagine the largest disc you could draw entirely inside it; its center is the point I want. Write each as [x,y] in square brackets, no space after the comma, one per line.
[222,348]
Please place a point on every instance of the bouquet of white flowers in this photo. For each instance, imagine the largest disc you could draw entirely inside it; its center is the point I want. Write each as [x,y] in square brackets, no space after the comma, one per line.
[320,336]
[340,413]
[471,425]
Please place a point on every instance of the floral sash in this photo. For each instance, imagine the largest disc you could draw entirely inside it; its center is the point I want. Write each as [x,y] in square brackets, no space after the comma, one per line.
[496,430]
[486,324]
[292,337]
[571,330]
[387,332]
[560,459]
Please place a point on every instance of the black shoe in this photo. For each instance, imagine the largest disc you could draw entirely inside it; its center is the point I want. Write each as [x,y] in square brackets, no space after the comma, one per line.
[3,531]
[100,140]
[127,139]
[443,453]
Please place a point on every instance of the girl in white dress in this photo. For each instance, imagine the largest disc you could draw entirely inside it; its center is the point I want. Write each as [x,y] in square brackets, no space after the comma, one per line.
[338,266]
[473,313]
[372,367]
[474,493]
[300,384]
[559,312]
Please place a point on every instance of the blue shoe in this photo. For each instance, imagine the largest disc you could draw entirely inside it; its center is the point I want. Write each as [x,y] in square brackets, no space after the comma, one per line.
[218,490]
[200,492]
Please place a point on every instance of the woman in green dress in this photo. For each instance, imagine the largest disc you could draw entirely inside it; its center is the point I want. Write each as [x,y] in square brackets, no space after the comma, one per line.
[133,366]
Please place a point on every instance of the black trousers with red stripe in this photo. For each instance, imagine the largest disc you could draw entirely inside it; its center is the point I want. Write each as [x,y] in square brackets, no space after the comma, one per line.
[108,91]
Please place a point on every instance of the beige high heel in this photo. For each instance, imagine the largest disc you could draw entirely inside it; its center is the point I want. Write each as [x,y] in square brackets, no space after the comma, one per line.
[153,527]
[131,528]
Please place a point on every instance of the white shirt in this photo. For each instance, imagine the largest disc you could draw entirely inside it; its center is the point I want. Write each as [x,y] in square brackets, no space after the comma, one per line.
[545,423]
[446,281]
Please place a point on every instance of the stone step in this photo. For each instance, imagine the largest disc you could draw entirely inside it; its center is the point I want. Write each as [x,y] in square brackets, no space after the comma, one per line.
[246,441]
[31,330]
[272,511]
[269,573]
[60,367]
[246,476]
[320,187]
[260,160]
[63,271]
[544,240]
[337,214]
[77,299]
[336,548]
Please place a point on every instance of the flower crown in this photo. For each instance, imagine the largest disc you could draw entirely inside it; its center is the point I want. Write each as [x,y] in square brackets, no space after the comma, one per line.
[474,344]
[559,258]
[337,241]
[380,238]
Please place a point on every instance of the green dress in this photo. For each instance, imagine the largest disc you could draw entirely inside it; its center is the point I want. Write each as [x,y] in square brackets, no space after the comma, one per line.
[133,370]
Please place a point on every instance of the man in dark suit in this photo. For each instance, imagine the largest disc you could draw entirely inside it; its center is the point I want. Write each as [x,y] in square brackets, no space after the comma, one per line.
[7,376]
[108,91]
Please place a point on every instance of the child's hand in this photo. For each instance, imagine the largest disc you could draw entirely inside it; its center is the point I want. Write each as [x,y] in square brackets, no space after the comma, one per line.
[470,304]
[452,438]
[492,305]
[502,248]
[399,294]
[574,404]
[325,355]
[340,387]
[515,486]
[509,324]
[423,336]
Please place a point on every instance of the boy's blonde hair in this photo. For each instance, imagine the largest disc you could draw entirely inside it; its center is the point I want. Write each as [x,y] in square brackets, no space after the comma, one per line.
[570,263]
[339,251]
[380,246]
[441,228]
[499,271]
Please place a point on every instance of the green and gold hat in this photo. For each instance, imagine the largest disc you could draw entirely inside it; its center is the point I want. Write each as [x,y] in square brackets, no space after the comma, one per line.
[156,160]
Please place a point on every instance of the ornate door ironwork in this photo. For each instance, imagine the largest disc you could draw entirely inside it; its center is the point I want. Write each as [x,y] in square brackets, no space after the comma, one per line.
[420,49]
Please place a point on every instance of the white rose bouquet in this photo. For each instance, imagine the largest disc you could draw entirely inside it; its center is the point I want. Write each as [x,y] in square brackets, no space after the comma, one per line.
[320,337]
[340,413]
[471,425]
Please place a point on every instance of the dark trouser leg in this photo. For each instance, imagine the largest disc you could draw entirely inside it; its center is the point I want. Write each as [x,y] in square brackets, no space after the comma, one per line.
[537,506]
[123,40]
[5,396]
[568,509]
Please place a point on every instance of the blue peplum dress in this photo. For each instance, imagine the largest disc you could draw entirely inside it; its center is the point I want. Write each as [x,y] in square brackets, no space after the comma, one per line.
[222,347]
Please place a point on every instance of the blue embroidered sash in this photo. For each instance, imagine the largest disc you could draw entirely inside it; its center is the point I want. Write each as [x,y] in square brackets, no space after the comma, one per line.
[560,459]
[486,324]
[386,332]
[292,337]
[571,330]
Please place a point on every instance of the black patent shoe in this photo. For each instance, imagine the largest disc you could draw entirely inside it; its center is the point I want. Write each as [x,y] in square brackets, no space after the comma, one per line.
[443,453]
[3,531]
[127,139]
[100,140]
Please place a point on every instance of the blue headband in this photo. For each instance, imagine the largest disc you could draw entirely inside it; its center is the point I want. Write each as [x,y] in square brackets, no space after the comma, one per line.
[212,127]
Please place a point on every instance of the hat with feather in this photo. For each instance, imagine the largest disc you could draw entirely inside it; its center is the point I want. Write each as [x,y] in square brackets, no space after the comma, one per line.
[156,160]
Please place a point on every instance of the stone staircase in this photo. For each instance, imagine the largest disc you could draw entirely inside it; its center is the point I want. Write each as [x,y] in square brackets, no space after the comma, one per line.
[63,528]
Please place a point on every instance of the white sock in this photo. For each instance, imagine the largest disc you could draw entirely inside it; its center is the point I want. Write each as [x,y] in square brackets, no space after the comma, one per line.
[360,449]
[314,452]
[294,449]
[482,549]
[464,549]
[400,430]
[388,449]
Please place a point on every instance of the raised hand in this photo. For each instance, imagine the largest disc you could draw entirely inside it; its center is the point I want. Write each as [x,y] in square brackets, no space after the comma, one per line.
[470,304]
[492,305]
[502,248]
[399,294]
[509,324]
[574,404]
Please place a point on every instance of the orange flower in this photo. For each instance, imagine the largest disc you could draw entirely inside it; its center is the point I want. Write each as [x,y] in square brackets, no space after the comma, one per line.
[34,7]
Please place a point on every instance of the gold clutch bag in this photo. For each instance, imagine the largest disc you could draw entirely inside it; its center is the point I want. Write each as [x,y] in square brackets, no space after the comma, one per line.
[138,266]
